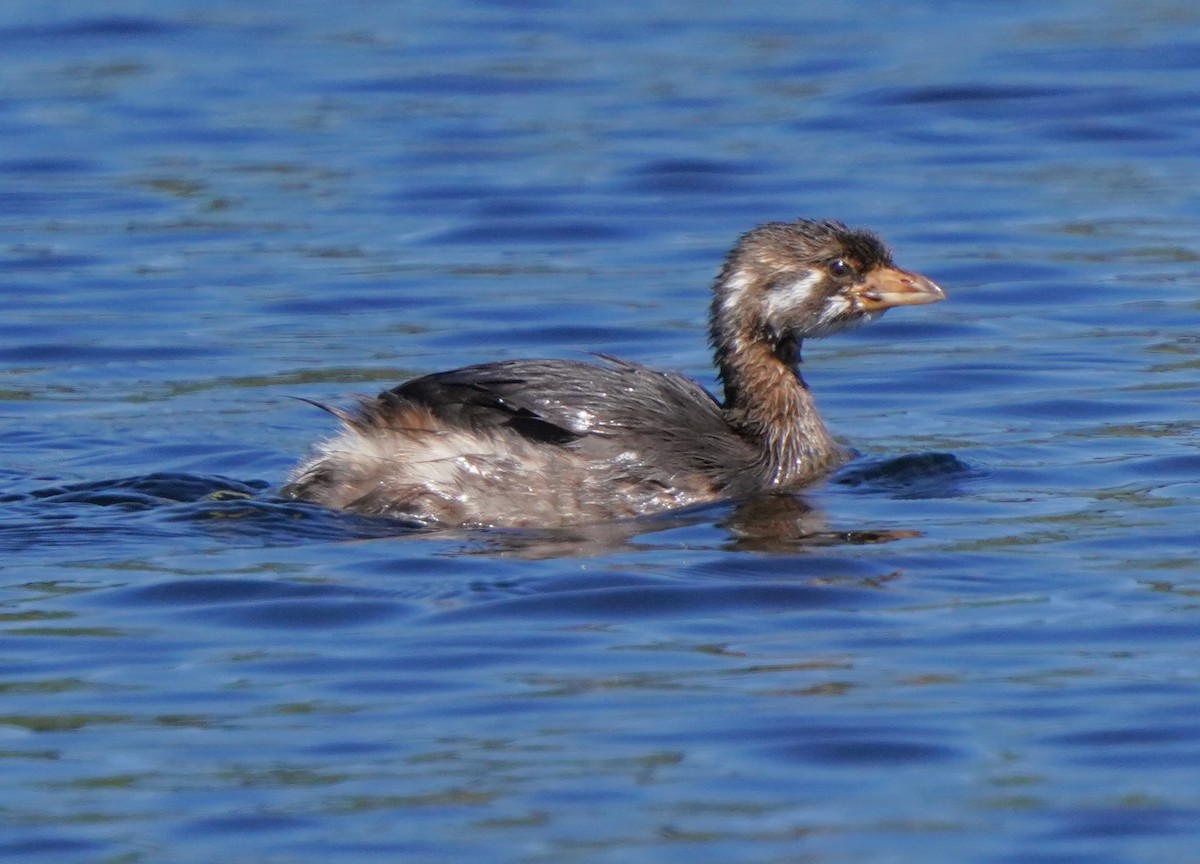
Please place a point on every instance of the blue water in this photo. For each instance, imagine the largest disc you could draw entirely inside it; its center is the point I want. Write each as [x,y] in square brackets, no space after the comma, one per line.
[978,643]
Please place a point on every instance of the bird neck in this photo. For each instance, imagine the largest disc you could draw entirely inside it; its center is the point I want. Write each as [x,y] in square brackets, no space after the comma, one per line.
[769,404]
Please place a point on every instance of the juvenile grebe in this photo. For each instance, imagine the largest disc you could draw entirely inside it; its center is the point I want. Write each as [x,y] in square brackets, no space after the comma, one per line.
[554,442]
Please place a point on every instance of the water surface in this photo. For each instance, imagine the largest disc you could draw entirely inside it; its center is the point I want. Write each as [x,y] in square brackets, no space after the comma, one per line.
[979,642]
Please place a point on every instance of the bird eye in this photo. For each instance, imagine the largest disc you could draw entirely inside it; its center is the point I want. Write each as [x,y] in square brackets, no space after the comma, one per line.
[840,269]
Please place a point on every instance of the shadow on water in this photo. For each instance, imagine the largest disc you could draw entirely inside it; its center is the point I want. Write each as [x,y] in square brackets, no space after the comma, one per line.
[162,504]
[152,506]
[911,476]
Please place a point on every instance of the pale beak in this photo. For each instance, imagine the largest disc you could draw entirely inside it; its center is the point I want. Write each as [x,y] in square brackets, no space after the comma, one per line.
[885,287]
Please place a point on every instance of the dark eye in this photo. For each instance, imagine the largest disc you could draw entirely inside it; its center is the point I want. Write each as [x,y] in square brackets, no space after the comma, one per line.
[840,269]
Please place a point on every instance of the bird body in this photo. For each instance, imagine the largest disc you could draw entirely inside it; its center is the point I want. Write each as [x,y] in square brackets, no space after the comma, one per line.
[552,442]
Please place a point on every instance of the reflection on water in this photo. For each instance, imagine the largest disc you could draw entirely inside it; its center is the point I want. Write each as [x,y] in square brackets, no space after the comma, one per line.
[769,523]
[977,642]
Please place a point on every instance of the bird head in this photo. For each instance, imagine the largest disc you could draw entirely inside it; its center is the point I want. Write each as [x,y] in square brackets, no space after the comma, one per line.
[787,281]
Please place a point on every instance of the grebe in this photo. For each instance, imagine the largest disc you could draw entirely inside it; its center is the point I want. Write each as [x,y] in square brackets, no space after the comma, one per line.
[522,443]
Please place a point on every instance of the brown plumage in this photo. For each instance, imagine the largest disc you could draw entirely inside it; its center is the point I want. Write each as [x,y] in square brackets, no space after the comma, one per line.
[554,442]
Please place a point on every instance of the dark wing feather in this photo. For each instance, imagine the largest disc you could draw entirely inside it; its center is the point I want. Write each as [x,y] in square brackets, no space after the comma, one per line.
[478,397]
[564,400]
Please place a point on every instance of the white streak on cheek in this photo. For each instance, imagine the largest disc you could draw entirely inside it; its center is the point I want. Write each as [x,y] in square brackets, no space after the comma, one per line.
[786,298]
[839,314]
[735,288]
[835,308]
